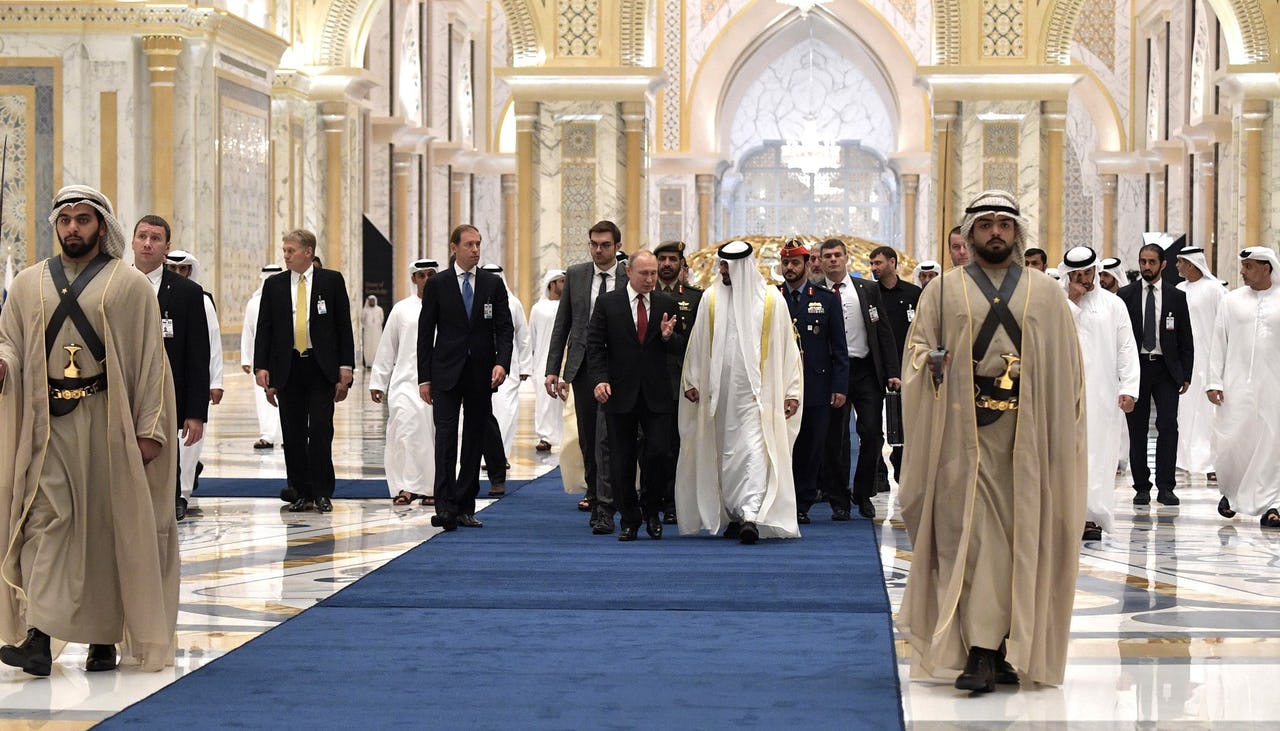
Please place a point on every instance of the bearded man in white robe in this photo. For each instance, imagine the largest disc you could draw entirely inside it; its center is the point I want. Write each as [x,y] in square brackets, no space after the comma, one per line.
[185,264]
[87,528]
[1244,368]
[742,383]
[548,410]
[1111,379]
[371,318]
[409,458]
[994,475]
[1195,413]
[268,415]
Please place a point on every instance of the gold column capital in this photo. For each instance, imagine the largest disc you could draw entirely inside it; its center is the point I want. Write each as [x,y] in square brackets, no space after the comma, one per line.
[1053,115]
[333,116]
[507,182]
[162,53]
[910,182]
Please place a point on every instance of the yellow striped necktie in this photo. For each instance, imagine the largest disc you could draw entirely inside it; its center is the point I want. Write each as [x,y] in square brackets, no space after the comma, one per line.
[300,305]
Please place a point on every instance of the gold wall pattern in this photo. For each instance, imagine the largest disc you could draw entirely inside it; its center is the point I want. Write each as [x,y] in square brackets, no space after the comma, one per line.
[17,125]
[521,32]
[1003,29]
[31,99]
[337,29]
[946,32]
[633,31]
[1000,156]
[669,96]
[1096,30]
[243,195]
[578,28]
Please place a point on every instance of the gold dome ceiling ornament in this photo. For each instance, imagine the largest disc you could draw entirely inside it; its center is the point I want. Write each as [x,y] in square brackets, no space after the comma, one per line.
[703,266]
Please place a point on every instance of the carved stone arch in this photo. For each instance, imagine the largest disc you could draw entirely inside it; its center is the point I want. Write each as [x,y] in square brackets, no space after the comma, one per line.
[521,33]
[1243,25]
[335,35]
[946,32]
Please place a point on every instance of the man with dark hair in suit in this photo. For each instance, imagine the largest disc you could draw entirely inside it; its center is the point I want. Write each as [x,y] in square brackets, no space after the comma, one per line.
[584,283]
[186,334]
[305,353]
[465,339]
[631,334]
[1162,327]
[873,366]
[1036,258]
[900,299]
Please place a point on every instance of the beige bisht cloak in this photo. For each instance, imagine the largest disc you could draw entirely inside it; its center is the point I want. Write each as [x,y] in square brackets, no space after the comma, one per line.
[140,403]
[940,473]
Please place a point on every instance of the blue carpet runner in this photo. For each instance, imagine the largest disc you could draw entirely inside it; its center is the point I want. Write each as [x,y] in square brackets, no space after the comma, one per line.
[534,623]
[270,487]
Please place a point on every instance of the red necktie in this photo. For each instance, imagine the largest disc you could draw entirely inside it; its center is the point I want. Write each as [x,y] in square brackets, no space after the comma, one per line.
[642,318]
[837,287]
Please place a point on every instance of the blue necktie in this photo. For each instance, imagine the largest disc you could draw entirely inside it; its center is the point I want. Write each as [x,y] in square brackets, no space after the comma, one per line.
[468,294]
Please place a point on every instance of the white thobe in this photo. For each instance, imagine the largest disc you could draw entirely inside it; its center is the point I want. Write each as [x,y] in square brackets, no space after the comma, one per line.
[409,459]
[1195,413]
[735,445]
[506,401]
[370,331]
[1110,357]
[548,411]
[268,415]
[189,457]
[1244,363]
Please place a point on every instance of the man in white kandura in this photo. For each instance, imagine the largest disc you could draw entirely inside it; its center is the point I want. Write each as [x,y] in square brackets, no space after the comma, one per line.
[506,401]
[1244,368]
[268,415]
[1111,376]
[1195,413]
[738,419]
[393,379]
[371,318]
[548,410]
[926,271]
[185,264]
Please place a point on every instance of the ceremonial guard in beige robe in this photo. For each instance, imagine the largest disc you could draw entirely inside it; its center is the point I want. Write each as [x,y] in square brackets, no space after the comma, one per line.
[742,385]
[87,460]
[993,487]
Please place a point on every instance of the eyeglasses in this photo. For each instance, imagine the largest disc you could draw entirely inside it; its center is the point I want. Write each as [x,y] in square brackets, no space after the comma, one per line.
[596,245]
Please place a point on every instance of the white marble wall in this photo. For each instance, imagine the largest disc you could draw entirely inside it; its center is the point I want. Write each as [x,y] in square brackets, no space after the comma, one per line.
[686,187]
[1086,190]
[1115,78]
[438,223]
[437,51]
[969,179]
[1131,222]
[486,215]
[812,93]
[379,195]
[927,243]
[500,93]
[378,60]
[1270,178]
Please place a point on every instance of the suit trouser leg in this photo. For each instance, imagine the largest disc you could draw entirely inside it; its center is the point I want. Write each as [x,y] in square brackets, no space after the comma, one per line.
[293,428]
[495,455]
[867,395]
[585,407]
[1165,393]
[655,467]
[833,472]
[320,434]
[604,475]
[1138,420]
[478,412]
[622,432]
[806,458]
[444,414]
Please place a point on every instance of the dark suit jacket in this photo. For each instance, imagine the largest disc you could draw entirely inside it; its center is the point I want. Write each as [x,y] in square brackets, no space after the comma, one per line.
[573,318]
[884,353]
[615,355]
[819,327]
[451,345]
[687,298]
[1176,344]
[182,301]
[332,342]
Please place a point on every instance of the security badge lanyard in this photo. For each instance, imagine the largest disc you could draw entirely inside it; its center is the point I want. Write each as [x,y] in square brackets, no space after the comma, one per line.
[321,307]
[166,325]
[1168,322]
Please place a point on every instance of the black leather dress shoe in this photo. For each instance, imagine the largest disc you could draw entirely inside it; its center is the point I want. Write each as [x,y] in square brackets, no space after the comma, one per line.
[803,518]
[467,520]
[1092,532]
[288,494]
[180,508]
[669,517]
[1166,497]
[749,533]
[840,514]
[299,505]
[1142,497]
[628,533]
[653,527]
[101,658]
[33,655]
[979,674]
[602,525]
[733,530]
[324,505]
[1005,673]
[866,508]
[448,521]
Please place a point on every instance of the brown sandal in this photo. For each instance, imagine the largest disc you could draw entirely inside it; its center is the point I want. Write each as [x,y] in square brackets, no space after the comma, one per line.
[427,500]
[584,505]
[404,498]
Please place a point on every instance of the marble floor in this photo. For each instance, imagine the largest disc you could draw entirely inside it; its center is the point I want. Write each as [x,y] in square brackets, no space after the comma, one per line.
[1176,623]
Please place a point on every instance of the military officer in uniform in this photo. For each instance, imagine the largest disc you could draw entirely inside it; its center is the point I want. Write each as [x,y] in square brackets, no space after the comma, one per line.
[671,266]
[819,325]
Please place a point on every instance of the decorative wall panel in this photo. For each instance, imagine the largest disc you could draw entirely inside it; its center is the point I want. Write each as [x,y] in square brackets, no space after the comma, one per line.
[577,200]
[578,28]
[30,95]
[243,193]
[669,97]
[1003,28]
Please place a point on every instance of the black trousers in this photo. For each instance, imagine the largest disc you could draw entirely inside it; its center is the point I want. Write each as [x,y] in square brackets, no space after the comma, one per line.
[306,425]
[1156,384]
[593,444]
[456,493]
[495,454]
[866,399]
[807,456]
[653,457]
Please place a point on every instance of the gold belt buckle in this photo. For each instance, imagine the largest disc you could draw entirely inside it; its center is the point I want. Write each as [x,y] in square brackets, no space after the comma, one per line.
[71,393]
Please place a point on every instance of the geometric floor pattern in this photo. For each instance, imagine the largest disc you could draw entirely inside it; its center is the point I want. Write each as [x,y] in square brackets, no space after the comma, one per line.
[1176,622]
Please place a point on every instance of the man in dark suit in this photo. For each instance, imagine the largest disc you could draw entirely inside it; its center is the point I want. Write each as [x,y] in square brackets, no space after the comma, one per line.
[630,335]
[1162,327]
[671,265]
[185,329]
[819,325]
[583,284]
[900,299]
[873,366]
[304,352]
[465,338]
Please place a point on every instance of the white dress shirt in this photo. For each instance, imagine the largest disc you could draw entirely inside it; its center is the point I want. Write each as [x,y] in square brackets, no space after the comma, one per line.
[634,297]
[611,282]
[855,330]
